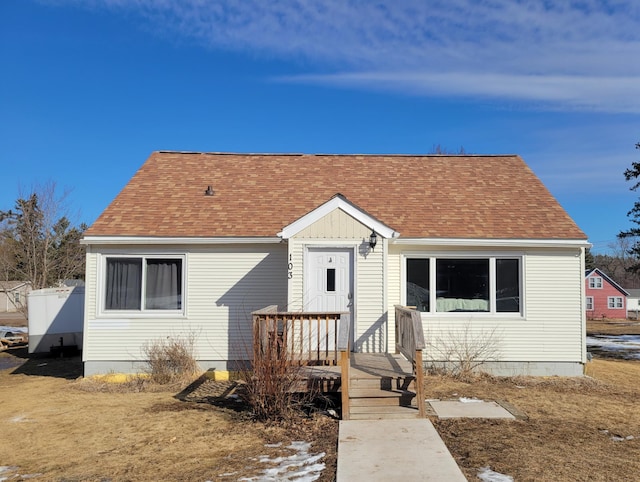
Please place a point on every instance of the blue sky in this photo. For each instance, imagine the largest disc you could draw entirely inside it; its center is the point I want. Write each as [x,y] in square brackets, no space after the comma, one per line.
[88,89]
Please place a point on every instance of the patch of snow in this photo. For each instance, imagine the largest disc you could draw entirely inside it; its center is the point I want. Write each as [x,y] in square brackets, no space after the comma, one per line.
[620,438]
[627,346]
[19,418]
[487,475]
[5,470]
[21,329]
[300,466]
[615,437]
[469,400]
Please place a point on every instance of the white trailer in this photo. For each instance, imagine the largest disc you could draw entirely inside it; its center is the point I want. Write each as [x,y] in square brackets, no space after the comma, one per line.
[56,318]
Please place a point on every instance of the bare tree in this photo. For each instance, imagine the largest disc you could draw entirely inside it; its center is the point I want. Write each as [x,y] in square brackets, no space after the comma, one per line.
[439,149]
[618,263]
[38,242]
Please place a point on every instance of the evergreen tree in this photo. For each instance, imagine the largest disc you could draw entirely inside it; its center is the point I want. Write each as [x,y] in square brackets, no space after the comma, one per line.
[633,174]
[589,261]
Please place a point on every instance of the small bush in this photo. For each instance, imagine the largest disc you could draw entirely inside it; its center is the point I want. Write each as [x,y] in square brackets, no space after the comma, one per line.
[462,352]
[170,360]
[274,383]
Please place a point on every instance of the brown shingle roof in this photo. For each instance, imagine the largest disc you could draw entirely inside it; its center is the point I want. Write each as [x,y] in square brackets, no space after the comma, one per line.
[495,197]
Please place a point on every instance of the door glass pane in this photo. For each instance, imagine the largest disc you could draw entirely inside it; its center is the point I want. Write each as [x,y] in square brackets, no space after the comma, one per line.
[462,285]
[331,279]
[507,286]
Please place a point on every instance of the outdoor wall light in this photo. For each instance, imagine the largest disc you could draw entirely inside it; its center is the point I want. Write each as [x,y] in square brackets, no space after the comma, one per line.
[209,191]
[373,240]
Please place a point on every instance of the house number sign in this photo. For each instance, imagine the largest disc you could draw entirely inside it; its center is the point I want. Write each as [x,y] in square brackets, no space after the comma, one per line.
[290,268]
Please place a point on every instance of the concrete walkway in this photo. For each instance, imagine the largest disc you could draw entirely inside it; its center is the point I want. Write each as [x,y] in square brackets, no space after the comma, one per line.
[411,449]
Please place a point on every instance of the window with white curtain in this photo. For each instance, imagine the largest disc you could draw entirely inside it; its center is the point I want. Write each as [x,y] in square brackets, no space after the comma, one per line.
[464,284]
[143,283]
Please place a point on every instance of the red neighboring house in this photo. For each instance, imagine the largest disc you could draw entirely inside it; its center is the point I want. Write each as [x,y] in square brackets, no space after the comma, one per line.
[604,298]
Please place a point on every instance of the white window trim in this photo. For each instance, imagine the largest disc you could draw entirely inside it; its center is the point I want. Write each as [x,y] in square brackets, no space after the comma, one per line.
[101,281]
[588,301]
[615,298]
[491,256]
[592,283]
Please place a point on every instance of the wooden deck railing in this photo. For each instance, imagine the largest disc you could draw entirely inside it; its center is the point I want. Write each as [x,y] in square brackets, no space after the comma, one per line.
[308,338]
[410,342]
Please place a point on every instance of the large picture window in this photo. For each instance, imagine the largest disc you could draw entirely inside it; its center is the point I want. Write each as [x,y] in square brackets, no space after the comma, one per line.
[477,284]
[140,283]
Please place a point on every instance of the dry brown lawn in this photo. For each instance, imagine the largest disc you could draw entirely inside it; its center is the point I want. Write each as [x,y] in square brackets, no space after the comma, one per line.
[571,432]
[68,430]
[613,327]
[61,427]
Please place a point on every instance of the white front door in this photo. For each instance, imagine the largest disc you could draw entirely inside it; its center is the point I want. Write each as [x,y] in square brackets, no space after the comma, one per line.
[330,281]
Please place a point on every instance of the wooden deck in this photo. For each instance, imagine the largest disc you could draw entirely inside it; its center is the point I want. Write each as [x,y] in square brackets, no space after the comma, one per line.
[371,385]
[384,366]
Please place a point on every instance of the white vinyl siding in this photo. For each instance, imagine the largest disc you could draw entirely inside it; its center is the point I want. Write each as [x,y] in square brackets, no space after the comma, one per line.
[551,324]
[224,284]
[371,332]
[338,229]
[554,305]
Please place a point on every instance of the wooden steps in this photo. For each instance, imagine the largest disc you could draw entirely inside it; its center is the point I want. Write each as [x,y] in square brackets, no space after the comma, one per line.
[381,386]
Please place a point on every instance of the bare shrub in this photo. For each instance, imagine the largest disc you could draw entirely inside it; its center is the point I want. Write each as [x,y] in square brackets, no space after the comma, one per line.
[170,360]
[463,351]
[274,382]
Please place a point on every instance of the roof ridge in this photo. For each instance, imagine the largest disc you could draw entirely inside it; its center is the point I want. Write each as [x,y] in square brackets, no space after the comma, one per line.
[324,154]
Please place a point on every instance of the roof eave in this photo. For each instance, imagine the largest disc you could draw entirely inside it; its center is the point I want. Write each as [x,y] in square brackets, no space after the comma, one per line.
[497,243]
[167,240]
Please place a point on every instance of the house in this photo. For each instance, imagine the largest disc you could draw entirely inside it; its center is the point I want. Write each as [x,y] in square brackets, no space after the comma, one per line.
[196,242]
[633,303]
[604,298]
[13,295]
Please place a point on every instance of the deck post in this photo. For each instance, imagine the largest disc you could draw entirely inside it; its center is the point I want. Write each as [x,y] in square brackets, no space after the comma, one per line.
[344,337]
[419,370]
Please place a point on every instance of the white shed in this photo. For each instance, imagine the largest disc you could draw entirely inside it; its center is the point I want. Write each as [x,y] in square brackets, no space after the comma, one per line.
[633,303]
[56,317]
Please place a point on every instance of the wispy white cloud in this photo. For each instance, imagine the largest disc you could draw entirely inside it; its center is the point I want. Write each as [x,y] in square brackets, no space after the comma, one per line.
[596,93]
[580,54]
